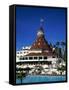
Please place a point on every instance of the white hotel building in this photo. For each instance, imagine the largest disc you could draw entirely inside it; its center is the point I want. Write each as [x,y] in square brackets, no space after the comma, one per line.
[38,54]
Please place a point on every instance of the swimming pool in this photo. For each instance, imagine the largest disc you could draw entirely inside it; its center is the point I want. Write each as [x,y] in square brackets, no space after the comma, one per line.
[40,78]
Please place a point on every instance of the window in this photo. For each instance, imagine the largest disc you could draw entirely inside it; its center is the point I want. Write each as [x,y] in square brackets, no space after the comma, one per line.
[35,57]
[21,58]
[20,52]
[30,57]
[53,57]
[40,57]
[26,58]
[45,57]
[17,52]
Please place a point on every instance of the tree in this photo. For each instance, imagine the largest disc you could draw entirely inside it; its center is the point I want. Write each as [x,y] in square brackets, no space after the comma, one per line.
[63,47]
[61,69]
[65,53]
[57,48]
[57,44]
[60,53]
[20,75]
[63,44]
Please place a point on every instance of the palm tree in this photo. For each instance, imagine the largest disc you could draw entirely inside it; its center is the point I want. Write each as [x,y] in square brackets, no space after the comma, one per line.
[63,47]
[60,52]
[65,55]
[63,44]
[20,75]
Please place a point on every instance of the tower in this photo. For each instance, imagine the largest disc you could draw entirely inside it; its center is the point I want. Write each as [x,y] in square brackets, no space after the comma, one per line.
[40,42]
[40,32]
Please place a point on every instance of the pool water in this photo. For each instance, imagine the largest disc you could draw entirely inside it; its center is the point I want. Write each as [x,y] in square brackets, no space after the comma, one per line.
[40,78]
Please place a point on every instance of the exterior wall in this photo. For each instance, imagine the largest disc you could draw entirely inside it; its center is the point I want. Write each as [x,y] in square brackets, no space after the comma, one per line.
[22,52]
[48,59]
[27,51]
[35,51]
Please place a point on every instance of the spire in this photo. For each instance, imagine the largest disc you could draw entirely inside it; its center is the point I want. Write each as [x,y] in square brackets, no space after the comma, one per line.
[41,31]
[41,22]
[40,42]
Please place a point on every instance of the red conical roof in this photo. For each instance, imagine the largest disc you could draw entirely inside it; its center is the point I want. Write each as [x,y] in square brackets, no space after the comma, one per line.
[40,42]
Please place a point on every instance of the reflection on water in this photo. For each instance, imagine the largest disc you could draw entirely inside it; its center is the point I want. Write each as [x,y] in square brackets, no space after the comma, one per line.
[40,78]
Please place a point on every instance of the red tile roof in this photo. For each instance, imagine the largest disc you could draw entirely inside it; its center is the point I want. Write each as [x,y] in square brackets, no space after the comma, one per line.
[41,43]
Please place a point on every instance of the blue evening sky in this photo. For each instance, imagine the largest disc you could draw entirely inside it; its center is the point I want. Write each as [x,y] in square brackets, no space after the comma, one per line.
[28,23]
